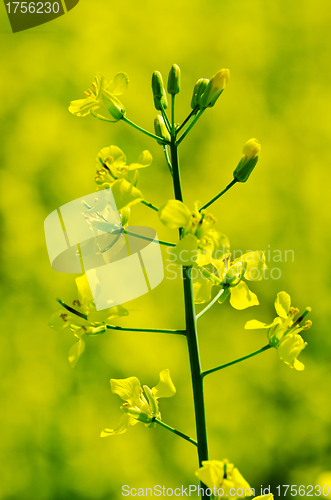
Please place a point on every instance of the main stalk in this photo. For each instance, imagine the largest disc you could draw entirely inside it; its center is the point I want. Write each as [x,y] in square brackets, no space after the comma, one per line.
[191,331]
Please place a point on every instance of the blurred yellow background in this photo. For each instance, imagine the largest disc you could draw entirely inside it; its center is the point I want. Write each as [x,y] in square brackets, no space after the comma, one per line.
[272,422]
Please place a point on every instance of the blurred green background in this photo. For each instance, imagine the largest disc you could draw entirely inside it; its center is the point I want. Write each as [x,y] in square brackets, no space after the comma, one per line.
[272,422]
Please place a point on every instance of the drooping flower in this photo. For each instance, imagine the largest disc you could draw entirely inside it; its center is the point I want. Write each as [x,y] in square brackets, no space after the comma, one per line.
[283,332]
[200,242]
[140,403]
[82,318]
[222,476]
[102,98]
[229,275]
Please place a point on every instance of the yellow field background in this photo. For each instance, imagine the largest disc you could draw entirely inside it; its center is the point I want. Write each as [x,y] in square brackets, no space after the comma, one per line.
[272,422]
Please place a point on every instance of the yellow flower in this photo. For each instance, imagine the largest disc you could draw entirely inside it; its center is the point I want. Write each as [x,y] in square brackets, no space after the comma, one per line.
[289,349]
[102,98]
[200,241]
[223,478]
[89,321]
[141,403]
[111,166]
[283,332]
[229,276]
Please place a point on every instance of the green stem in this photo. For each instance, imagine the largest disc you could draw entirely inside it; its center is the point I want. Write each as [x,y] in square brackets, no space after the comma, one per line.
[165,118]
[191,332]
[167,159]
[150,205]
[147,330]
[174,431]
[160,242]
[173,131]
[129,122]
[232,183]
[221,367]
[193,112]
[210,304]
[191,125]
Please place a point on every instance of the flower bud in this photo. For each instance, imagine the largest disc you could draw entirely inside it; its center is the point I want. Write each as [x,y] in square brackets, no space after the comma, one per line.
[198,90]
[160,98]
[160,102]
[214,88]
[248,161]
[161,129]
[174,80]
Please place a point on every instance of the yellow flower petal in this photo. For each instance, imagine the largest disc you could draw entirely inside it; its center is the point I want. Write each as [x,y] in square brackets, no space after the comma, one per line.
[144,160]
[241,297]
[289,349]
[165,388]
[211,473]
[255,265]
[75,352]
[254,324]
[125,194]
[202,289]
[174,214]
[283,304]
[128,389]
[119,84]
[120,429]
[84,292]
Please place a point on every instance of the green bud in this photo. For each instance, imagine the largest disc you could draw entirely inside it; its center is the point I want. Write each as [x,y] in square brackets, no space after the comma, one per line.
[161,102]
[157,84]
[160,99]
[161,129]
[214,88]
[198,91]
[174,80]
[248,161]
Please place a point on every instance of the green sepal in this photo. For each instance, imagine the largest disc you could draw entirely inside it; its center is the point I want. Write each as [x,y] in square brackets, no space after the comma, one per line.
[245,168]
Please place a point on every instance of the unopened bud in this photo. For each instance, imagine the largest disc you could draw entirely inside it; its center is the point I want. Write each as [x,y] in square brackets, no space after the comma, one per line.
[174,80]
[248,161]
[158,91]
[161,129]
[214,88]
[160,102]
[198,91]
